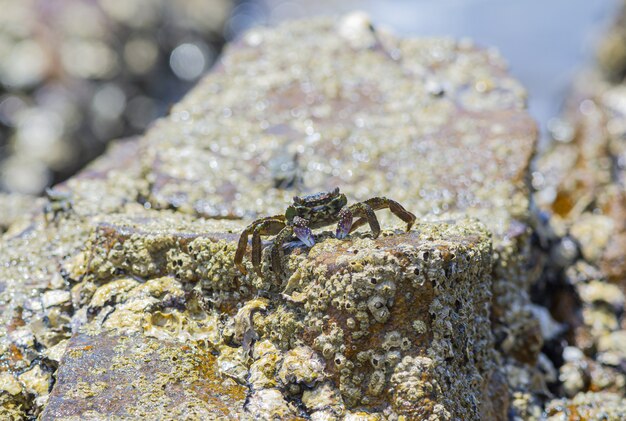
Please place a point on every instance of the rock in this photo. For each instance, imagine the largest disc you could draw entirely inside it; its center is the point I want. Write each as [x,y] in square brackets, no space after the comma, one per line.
[270,404]
[602,293]
[550,329]
[13,206]
[323,401]
[14,401]
[614,342]
[418,277]
[582,179]
[136,376]
[588,406]
[301,365]
[54,298]
[585,375]
[424,276]
[426,323]
[365,106]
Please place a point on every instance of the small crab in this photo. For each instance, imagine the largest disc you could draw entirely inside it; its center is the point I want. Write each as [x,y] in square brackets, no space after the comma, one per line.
[310,212]
[59,202]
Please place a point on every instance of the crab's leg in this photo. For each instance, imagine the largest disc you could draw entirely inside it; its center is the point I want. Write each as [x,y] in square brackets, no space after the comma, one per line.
[366,213]
[345,222]
[243,241]
[241,248]
[266,227]
[396,208]
[277,249]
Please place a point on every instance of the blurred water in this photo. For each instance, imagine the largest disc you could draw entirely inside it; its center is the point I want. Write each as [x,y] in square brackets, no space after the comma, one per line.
[544,41]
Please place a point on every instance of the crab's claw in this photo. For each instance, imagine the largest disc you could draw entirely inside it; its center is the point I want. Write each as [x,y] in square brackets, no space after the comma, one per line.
[305,235]
[303,232]
[344,224]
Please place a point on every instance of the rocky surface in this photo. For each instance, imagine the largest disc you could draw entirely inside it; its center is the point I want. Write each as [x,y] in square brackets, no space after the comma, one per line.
[14,206]
[106,375]
[580,182]
[588,406]
[435,323]
[444,132]
[354,318]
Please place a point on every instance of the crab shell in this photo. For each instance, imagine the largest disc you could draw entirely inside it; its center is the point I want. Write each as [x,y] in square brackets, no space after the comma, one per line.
[318,209]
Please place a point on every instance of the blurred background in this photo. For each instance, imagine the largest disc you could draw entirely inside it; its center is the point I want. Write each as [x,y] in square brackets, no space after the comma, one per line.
[75,74]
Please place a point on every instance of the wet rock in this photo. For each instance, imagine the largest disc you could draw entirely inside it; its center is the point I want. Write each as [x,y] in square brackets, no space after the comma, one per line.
[136,376]
[423,278]
[270,404]
[362,129]
[428,322]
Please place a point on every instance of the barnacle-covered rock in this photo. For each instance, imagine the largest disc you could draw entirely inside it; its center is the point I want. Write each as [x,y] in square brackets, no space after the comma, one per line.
[434,322]
[14,402]
[110,375]
[301,365]
[264,369]
[422,280]
[360,113]
[434,283]
[580,179]
[588,406]
[270,404]
[323,402]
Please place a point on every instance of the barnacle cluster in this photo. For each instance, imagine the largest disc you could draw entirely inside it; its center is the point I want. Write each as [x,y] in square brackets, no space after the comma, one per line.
[343,328]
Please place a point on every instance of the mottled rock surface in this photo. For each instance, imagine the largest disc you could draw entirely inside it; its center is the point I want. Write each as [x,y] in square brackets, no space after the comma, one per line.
[105,376]
[434,324]
[371,322]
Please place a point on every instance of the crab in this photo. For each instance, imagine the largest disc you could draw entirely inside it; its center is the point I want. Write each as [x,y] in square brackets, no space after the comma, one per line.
[59,202]
[310,212]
